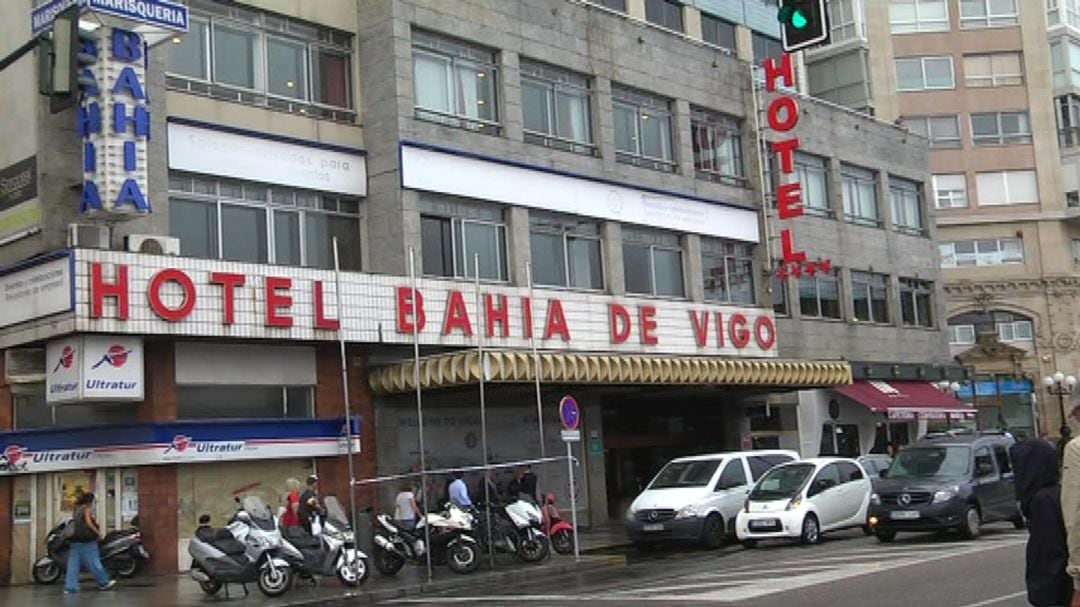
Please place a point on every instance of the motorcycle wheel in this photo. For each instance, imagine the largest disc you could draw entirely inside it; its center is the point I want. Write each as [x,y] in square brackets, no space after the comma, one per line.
[127,568]
[535,549]
[352,574]
[462,557]
[563,542]
[211,587]
[46,571]
[275,582]
[387,562]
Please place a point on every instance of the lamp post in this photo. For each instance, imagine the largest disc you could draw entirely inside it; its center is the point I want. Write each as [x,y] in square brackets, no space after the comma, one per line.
[950,388]
[1060,385]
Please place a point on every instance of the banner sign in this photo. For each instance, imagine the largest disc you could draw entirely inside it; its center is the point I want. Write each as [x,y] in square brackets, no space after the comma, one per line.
[160,13]
[94,367]
[20,209]
[37,290]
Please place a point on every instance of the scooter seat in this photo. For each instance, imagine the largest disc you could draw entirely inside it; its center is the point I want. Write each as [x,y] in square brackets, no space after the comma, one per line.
[225,542]
[300,538]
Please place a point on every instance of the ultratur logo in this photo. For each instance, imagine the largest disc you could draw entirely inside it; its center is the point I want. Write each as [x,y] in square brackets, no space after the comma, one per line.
[115,356]
[12,459]
[67,357]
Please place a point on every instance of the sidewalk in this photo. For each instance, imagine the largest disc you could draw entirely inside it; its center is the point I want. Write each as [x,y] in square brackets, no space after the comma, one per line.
[181,591]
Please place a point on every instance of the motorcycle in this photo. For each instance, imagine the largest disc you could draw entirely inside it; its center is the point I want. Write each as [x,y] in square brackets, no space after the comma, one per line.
[122,553]
[241,553]
[452,542]
[560,532]
[332,552]
[528,520]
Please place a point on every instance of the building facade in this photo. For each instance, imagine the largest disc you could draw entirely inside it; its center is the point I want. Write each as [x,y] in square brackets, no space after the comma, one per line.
[533,180]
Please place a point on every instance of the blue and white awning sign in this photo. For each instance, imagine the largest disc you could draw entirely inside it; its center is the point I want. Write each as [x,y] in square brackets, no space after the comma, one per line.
[164,14]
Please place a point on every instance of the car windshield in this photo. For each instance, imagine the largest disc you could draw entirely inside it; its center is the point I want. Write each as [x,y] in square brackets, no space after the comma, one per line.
[259,512]
[781,482]
[930,462]
[676,475]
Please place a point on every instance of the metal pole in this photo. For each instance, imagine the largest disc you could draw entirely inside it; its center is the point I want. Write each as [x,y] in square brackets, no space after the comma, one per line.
[536,373]
[483,409]
[573,499]
[759,141]
[345,388]
[420,409]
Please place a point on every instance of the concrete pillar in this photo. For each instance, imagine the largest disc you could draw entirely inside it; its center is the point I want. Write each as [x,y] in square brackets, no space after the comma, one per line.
[410,222]
[835,184]
[636,9]
[884,205]
[691,17]
[683,143]
[510,109]
[615,280]
[744,43]
[693,284]
[604,123]
[843,276]
[518,241]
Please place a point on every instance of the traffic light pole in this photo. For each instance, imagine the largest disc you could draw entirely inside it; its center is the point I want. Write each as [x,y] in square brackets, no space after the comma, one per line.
[18,53]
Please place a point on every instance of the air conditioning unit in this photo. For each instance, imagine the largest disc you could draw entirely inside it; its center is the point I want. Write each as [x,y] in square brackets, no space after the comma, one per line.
[88,236]
[152,245]
[24,365]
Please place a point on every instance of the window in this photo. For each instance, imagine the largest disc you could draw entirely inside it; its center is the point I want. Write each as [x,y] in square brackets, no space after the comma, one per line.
[906,203]
[1076,250]
[615,5]
[728,269]
[984,463]
[950,191]
[1068,119]
[942,131]
[828,478]
[643,129]
[984,252]
[652,262]
[765,47]
[760,464]
[811,172]
[665,13]
[1000,128]
[217,402]
[961,335]
[995,69]
[717,146]
[988,13]
[556,108]
[718,32]
[1071,8]
[859,188]
[907,16]
[1007,187]
[565,251]
[1017,330]
[845,20]
[924,73]
[1002,457]
[31,411]
[733,476]
[870,297]
[453,233]
[261,223]
[917,302]
[849,472]
[779,296]
[454,83]
[234,53]
[819,296]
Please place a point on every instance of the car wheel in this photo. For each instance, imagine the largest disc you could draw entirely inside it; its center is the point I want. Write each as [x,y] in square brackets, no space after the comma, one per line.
[972,523]
[749,544]
[811,530]
[712,532]
[885,537]
[867,531]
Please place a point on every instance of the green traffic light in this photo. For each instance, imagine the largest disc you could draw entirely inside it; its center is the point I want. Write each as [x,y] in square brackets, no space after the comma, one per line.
[792,16]
[798,20]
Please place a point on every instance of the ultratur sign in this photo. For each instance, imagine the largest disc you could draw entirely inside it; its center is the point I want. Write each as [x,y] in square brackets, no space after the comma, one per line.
[94,367]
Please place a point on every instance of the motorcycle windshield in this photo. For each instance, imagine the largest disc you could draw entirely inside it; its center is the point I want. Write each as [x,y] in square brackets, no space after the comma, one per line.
[260,513]
[335,513]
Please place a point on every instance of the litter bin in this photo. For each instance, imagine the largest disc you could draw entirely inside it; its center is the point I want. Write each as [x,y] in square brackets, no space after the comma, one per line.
[364,531]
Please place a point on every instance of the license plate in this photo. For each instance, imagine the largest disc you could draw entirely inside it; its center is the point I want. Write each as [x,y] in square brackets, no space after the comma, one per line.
[654,527]
[904,515]
[769,523]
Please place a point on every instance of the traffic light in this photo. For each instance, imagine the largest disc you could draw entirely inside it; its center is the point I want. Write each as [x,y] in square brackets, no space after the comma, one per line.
[803,23]
[71,52]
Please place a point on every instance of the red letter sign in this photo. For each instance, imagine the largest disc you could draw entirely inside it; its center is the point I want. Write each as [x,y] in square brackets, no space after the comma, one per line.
[785,71]
[556,321]
[789,200]
[740,335]
[785,152]
[790,255]
[321,321]
[457,315]
[494,315]
[619,320]
[701,327]
[154,294]
[99,290]
[789,107]
[228,282]
[406,308]
[648,325]
[275,300]
[764,342]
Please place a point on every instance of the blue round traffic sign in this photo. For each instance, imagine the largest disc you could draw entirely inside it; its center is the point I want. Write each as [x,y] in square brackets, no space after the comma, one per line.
[569,413]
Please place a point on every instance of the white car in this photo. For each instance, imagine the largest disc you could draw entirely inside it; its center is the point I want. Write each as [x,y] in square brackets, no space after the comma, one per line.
[697,498]
[805,499]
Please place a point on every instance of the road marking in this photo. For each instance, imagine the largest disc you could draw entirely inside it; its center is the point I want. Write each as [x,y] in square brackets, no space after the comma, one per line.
[999,599]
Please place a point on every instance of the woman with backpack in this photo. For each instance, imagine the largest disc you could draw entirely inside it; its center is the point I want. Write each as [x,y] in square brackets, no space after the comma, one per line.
[84,547]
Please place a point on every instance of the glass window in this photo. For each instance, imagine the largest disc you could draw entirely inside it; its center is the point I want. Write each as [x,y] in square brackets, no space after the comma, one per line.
[643,129]
[733,476]
[728,269]
[849,472]
[556,108]
[779,296]
[765,47]
[224,401]
[1004,464]
[652,262]
[187,53]
[234,56]
[845,20]
[454,83]
[760,464]
[906,204]
[916,302]
[860,194]
[995,69]
[950,191]
[718,32]
[243,233]
[665,13]
[924,73]
[451,243]
[287,67]
[961,335]
[1007,187]
[566,251]
[812,174]
[907,16]
[942,131]
[819,296]
[330,79]
[870,297]
[1070,8]
[826,479]
[615,5]
[717,142]
[988,13]
[1019,330]
[1000,128]
[195,224]
[287,238]
[31,411]
[436,234]
[321,229]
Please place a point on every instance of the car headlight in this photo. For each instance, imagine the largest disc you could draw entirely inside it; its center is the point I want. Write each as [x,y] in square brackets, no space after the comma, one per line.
[687,512]
[794,503]
[946,495]
[629,514]
[875,499]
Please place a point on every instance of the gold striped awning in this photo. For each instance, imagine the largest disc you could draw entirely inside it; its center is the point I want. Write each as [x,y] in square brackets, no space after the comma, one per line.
[503,366]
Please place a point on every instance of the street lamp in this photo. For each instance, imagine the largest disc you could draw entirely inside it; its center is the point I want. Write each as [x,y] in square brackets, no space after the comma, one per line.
[1060,384]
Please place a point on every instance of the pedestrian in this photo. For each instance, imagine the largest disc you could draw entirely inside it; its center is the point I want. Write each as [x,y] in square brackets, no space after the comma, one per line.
[311,509]
[84,547]
[487,490]
[1037,489]
[204,531]
[458,492]
[524,483]
[291,516]
[1066,436]
[1070,503]
[405,508]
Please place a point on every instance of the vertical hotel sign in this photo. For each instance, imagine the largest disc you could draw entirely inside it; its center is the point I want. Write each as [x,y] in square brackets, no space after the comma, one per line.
[783,116]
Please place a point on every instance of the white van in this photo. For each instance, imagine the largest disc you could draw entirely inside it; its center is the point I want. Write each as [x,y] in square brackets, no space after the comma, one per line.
[697,498]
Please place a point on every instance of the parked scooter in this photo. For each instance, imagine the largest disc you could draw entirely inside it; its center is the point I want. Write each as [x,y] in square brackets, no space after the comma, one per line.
[452,542]
[241,553]
[560,532]
[528,520]
[122,552]
[332,552]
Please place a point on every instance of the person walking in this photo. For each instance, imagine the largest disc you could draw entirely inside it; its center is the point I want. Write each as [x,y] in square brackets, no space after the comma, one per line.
[1035,464]
[291,516]
[84,547]
[311,510]
[405,508]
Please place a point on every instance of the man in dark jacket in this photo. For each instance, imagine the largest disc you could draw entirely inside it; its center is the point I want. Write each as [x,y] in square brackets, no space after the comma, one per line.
[1037,489]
